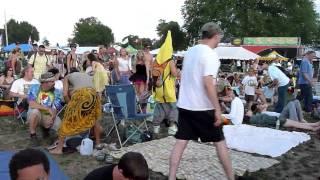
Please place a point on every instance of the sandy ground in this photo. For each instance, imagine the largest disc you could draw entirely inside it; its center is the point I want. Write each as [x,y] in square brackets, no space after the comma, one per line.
[302,162]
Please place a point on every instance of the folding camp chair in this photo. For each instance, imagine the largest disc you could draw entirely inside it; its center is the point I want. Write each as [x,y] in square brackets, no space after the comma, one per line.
[122,102]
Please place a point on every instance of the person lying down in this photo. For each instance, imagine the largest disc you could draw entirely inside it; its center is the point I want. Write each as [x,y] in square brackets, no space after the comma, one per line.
[260,117]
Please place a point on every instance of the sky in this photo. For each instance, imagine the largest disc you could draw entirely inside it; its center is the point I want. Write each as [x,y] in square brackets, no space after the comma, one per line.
[55,19]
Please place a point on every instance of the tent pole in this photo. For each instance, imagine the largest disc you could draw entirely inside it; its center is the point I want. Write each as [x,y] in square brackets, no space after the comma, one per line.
[5,27]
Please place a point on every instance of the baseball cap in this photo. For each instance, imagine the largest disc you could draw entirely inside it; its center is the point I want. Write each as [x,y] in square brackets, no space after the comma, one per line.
[210,29]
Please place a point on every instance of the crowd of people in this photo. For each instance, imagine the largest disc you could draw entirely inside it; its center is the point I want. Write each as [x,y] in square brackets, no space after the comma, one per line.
[195,98]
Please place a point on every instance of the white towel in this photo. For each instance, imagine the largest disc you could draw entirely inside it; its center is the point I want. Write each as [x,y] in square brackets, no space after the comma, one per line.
[264,141]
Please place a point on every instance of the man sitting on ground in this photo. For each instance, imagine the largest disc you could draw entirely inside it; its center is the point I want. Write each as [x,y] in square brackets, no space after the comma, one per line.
[131,166]
[29,164]
[236,112]
[44,103]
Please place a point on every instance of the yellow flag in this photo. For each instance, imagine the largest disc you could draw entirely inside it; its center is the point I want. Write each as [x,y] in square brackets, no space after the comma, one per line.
[166,50]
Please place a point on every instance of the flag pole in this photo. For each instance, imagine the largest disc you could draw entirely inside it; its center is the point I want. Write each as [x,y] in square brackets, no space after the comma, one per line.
[5,27]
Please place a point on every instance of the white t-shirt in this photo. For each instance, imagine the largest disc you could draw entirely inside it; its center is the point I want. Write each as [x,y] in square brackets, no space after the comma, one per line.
[22,86]
[237,111]
[58,84]
[276,73]
[124,64]
[199,61]
[250,83]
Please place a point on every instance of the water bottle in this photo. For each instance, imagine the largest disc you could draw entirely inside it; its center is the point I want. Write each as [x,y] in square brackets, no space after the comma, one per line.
[278,124]
[86,147]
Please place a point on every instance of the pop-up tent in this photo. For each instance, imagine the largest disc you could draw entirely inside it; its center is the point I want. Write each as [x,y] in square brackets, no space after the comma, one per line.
[239,53]
[5,157]
[23,47]
[273,56]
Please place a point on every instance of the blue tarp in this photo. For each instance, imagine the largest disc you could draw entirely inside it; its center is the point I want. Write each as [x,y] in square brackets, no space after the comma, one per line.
[5,157]
[23,47]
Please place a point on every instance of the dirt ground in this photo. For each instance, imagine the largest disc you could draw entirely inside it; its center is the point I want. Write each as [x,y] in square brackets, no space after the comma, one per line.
[301,162]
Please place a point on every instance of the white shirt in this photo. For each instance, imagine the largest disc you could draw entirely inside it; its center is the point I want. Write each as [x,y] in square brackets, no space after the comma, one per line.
[276,73]
[237,111]
[250,83]
[21,86]
[124,64]
[58,84]
[199,61]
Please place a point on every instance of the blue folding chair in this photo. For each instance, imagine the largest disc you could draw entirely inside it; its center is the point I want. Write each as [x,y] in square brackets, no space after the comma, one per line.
[122,105]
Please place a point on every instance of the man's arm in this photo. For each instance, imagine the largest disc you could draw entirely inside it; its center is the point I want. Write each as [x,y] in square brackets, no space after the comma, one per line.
[66,89]
[210,86]
[305,76]
[173,69]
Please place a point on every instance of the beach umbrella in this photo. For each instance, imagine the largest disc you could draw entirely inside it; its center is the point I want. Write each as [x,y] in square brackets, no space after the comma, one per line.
[23,47]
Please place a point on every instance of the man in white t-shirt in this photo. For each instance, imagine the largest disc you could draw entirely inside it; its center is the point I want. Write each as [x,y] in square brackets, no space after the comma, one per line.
[20,87]
[280,80]
[250,83]
[236,112]
[199,109]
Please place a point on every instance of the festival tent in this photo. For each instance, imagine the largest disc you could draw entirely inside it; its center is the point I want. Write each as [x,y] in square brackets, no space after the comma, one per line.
[131,50]
[272,56]
[23,47]
[239,53]
[5,157]
[318,54]
[155,51]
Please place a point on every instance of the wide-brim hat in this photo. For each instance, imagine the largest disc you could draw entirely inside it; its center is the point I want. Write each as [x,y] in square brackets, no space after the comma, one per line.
[46,77]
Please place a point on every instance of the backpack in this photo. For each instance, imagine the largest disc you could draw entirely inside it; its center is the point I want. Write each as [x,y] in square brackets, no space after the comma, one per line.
[157,74]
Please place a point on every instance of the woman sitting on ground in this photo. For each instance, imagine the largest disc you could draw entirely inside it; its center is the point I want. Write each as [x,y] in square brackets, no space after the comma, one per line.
[5,82]
[236,112]
[261,119]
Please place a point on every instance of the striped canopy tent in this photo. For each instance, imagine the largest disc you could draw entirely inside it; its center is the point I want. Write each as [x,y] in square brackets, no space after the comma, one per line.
[274,55]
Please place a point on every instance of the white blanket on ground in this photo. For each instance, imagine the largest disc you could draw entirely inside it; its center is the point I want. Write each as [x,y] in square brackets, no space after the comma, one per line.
[264,141]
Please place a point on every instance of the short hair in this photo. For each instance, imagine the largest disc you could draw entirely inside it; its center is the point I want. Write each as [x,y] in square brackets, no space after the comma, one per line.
[92,57]
[254,108]
[42,46]
[209,30]
[134,166]
[23,72]
[27,158]
[73,69]
[310,52]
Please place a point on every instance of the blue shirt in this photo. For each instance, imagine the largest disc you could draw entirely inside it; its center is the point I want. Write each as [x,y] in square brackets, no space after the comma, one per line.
[305,67]
[50,99]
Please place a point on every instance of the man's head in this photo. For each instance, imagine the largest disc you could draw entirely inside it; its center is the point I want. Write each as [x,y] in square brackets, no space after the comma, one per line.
[211,34]
[27,73]
[133,166]
[29,164]
[73,47]
[41,50]
[92,57]
[146,47]
[310,55]
[47,81]
[257,108]
[251,72]
[102,49]
[265,66]
[35,47]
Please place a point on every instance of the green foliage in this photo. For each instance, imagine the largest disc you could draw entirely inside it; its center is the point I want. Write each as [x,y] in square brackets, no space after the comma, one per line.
[243,18]
[179,40]
[91,32]
[21,31]
[136,42]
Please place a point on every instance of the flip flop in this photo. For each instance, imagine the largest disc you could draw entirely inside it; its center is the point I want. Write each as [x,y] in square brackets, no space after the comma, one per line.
[53,146]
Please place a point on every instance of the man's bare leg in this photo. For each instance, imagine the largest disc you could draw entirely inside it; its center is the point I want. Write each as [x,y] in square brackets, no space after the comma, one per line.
[33,122]
[223,154]
[58,149]
[97,132]
[175,157]
[306,126]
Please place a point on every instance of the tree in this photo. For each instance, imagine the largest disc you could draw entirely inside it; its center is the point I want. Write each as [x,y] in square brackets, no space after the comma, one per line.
[21,31]
[91,32]
[46,42]
[237,18]
[179,40]
[135,41]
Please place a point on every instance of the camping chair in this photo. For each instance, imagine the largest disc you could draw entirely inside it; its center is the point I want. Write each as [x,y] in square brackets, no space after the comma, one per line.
[123,106]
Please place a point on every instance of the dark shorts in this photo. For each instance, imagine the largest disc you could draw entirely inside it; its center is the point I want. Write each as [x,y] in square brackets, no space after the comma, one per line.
[198,124]
[248,97]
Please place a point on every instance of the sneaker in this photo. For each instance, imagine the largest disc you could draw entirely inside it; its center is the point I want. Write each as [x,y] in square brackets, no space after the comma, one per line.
[172,130]
[156,129]
[34,141]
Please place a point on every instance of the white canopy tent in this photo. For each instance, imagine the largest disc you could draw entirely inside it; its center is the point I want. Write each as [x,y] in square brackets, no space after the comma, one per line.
[318,54]
[239,53]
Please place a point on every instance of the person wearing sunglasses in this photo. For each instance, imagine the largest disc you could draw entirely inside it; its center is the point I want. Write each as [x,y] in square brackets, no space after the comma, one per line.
[5,83]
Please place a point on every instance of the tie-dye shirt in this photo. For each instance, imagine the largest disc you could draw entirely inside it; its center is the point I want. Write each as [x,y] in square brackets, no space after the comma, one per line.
[50,99]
